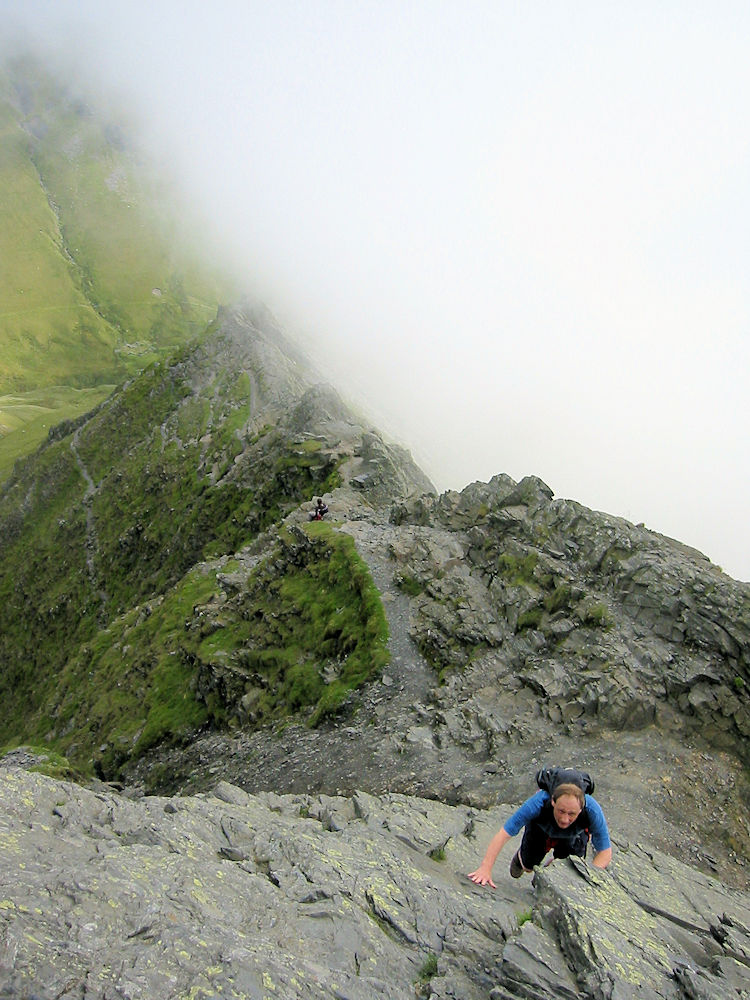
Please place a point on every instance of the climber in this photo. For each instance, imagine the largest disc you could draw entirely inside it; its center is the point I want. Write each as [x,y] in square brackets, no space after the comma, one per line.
[561,820]
[321,509]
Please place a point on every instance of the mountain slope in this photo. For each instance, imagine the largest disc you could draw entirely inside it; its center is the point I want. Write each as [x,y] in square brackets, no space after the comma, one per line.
[170,621]
[106,530]
[166,603]
[98,278]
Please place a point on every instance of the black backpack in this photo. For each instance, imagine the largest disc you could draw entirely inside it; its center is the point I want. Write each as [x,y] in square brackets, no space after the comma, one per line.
[548,778]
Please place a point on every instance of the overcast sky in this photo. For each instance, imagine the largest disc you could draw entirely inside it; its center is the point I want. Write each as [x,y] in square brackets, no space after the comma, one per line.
[517,232]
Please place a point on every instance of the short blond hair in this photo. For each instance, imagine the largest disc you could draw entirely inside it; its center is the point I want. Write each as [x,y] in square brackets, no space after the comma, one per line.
[569,789]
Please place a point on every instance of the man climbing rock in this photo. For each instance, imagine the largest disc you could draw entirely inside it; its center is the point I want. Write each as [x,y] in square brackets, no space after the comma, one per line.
[561,817]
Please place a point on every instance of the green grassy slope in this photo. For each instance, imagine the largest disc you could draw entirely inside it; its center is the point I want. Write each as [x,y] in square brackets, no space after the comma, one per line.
[41,303]
[113,537]
[148,678]
[136,459]
[97,278]
[26,418]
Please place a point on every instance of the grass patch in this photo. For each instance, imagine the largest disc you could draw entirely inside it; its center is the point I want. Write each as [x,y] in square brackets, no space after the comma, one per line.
[132,685]
[596,615]
[26,418]
[518,570]
[96,266]
[429,969]
[409,585]
[51,763]
[312,633]
[559,599]
[530,619]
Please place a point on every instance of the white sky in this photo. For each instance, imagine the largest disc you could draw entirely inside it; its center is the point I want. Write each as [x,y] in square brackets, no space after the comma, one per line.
[517,232]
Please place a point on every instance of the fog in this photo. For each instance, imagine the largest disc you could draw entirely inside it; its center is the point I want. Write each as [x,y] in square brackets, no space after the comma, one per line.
[517,234]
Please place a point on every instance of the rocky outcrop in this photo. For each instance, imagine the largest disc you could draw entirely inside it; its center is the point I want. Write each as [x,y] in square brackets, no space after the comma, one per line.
[228,894]
[139,509]
[602,622]
[524,630]
[472,701]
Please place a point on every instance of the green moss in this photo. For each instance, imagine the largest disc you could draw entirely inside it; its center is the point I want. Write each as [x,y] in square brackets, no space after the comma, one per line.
[559,599]
[530,619]
[409,585]
[518,570]
[596,615]
[310,446]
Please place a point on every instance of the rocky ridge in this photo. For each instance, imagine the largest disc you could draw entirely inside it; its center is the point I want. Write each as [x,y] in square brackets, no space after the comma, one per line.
[234,895]
[524,630]
[629,666]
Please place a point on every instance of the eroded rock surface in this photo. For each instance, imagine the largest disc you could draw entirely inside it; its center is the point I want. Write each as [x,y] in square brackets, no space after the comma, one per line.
[597,618]
[256,896]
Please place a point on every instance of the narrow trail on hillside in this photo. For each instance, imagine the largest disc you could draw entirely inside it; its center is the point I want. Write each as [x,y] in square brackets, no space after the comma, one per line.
[91,541]
[409,672]
[387,719]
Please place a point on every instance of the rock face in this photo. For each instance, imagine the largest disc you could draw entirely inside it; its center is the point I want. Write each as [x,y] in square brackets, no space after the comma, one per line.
[600,622]
[232,895]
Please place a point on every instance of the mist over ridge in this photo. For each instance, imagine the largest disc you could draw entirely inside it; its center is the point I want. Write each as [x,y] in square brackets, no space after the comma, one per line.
[312,728]
[518,239]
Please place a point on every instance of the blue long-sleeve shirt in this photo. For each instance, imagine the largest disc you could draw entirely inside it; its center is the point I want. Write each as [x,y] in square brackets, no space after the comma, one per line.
[531,808]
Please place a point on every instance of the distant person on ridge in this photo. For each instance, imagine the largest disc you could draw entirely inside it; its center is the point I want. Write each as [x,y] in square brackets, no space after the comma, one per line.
[320,511]
[560,818]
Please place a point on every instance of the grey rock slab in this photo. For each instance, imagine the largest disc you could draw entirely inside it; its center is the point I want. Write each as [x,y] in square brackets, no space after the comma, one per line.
[228,894]
[104,895]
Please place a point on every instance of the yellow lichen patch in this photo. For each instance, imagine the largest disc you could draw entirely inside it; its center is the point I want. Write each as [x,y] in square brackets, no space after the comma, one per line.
[592,916]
